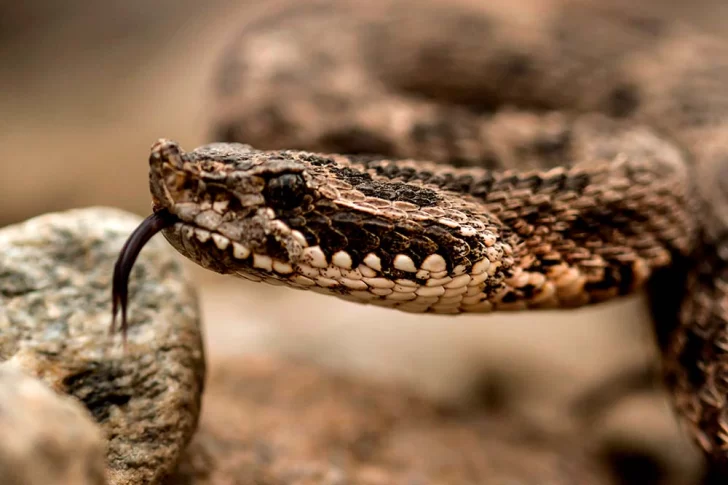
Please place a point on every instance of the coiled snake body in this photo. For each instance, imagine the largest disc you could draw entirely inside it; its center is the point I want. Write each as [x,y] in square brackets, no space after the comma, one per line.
[505,157]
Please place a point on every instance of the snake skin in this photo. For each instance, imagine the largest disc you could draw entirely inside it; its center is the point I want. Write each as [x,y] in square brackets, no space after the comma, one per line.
[566,153]
[427,237]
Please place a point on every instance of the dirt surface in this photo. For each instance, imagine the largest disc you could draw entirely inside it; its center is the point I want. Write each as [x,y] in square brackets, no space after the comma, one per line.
[276,422]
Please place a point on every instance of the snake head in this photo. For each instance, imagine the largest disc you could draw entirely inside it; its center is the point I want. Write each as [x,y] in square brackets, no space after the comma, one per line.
[339,225]
[228,199]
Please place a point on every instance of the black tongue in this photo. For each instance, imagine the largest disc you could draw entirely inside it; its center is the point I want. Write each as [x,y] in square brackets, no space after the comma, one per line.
[127,257]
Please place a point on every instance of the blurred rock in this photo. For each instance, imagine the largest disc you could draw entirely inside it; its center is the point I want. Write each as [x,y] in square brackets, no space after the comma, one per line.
[55,312]
[286,423]
[47,439]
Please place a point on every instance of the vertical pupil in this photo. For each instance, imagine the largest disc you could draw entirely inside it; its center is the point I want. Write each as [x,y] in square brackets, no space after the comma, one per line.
[285,191]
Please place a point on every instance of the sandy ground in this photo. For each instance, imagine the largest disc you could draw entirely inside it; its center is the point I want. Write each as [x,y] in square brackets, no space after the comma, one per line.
[85,89]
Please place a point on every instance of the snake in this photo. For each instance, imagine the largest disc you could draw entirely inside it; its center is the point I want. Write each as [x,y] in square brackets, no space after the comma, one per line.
[458,158]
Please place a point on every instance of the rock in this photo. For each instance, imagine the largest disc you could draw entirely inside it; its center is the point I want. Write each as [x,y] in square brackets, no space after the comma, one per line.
[47,438]
[55,315]
[283,423]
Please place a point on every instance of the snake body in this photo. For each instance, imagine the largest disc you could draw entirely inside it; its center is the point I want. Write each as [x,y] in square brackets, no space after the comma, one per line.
[435,157]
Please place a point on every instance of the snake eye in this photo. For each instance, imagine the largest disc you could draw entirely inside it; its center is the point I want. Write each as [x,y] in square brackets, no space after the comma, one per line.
[285,191]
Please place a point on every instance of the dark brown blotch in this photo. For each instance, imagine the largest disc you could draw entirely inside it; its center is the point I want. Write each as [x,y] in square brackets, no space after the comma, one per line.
[623,101]
[351,176]
[695,349]
[483,186]
[391,191]
[577,182]
[454,249]
[359,238]
[515,67]
[461,184]
[316,160]
[275,249]
[420,248]
[395,243]
[332,240]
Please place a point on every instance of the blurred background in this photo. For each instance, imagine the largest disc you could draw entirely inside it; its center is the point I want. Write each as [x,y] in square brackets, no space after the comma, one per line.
[87,86]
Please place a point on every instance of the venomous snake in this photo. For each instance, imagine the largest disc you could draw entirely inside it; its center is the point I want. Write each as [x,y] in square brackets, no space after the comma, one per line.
[513,156]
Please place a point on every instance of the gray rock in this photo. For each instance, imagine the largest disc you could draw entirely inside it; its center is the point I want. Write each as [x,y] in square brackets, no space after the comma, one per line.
[55,314]
[46,438]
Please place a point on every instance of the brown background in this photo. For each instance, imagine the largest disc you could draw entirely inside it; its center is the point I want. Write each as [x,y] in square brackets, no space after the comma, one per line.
[87,86]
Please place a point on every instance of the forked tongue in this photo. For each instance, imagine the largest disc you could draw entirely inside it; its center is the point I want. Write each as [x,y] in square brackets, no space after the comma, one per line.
[127,257]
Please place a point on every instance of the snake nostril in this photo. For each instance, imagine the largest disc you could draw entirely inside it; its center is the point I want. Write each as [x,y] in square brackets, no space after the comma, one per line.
[165,150]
